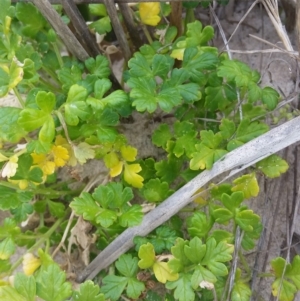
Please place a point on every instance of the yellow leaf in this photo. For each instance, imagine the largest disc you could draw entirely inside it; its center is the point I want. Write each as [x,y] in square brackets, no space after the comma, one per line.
[200,196]
[247,184]
[177,54]
[131,176]
[149,13]
[163,273]
[83,151]
[111,159]
[30,264]
[116,170]
[23,184]
[128,153]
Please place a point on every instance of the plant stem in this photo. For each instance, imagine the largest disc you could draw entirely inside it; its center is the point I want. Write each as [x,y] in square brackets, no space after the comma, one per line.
[147,34]
[21,101]
[59,58]
[245,265]
[45,237]
[63,123]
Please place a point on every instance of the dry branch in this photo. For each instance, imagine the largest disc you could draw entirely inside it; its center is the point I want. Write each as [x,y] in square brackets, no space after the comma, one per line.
[235,161]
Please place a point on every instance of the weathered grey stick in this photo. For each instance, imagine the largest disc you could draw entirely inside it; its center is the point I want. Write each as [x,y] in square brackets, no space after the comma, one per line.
[61,29]
[118,29]
[84,35]
[235,161]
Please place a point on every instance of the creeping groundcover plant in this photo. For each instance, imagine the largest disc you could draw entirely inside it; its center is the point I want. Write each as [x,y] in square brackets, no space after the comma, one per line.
[69,112]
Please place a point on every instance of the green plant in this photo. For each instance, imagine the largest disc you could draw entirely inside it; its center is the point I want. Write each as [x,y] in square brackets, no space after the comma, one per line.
[68,113]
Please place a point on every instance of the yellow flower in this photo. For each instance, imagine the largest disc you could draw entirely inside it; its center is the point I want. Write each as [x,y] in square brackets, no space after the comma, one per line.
[48,167]
[57,157]
[60,155]
[30,264]
[60,140]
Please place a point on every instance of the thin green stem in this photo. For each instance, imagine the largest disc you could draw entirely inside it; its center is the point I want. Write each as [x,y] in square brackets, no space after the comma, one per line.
[44,191]
[63,123]
[21,101]
[147,34]
[57,52]
[51,74]
[245,265]
[45,237]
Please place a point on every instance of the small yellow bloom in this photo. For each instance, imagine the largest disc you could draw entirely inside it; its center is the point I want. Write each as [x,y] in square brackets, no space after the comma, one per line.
[30,264]
[60,140]
[57,157]
[60,155]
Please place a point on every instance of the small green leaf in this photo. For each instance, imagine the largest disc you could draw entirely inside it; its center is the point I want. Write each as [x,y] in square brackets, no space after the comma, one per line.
[155,190]
[8,293]
[69,76]
[127,265]
[270,97]
[168,170]
[202,274]
[196,36]
[56,209]
[218,98]
[25,286]
[215,255]
[9,198]
[293,271]
[7,248]
[240,292]
[233,201]
[147,256]
[195,251]
[227,128]
[161,136]
[25,170]
[237,71]
[247,184]
[113,195]
[113,286]
[287,290]
[10,130]
[32,19]
[98,10]
[101,26]
[88,291]
[98,66]
[183,288]
[45,101]
[248,130]
[86,206]
[207,151]
[198,225]
[131,217]
[247,220]
[134,288]
[76,106]
[272,166]
[52,284]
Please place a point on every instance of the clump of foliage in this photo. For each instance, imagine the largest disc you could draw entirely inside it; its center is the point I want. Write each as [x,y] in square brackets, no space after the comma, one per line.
[69,114]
